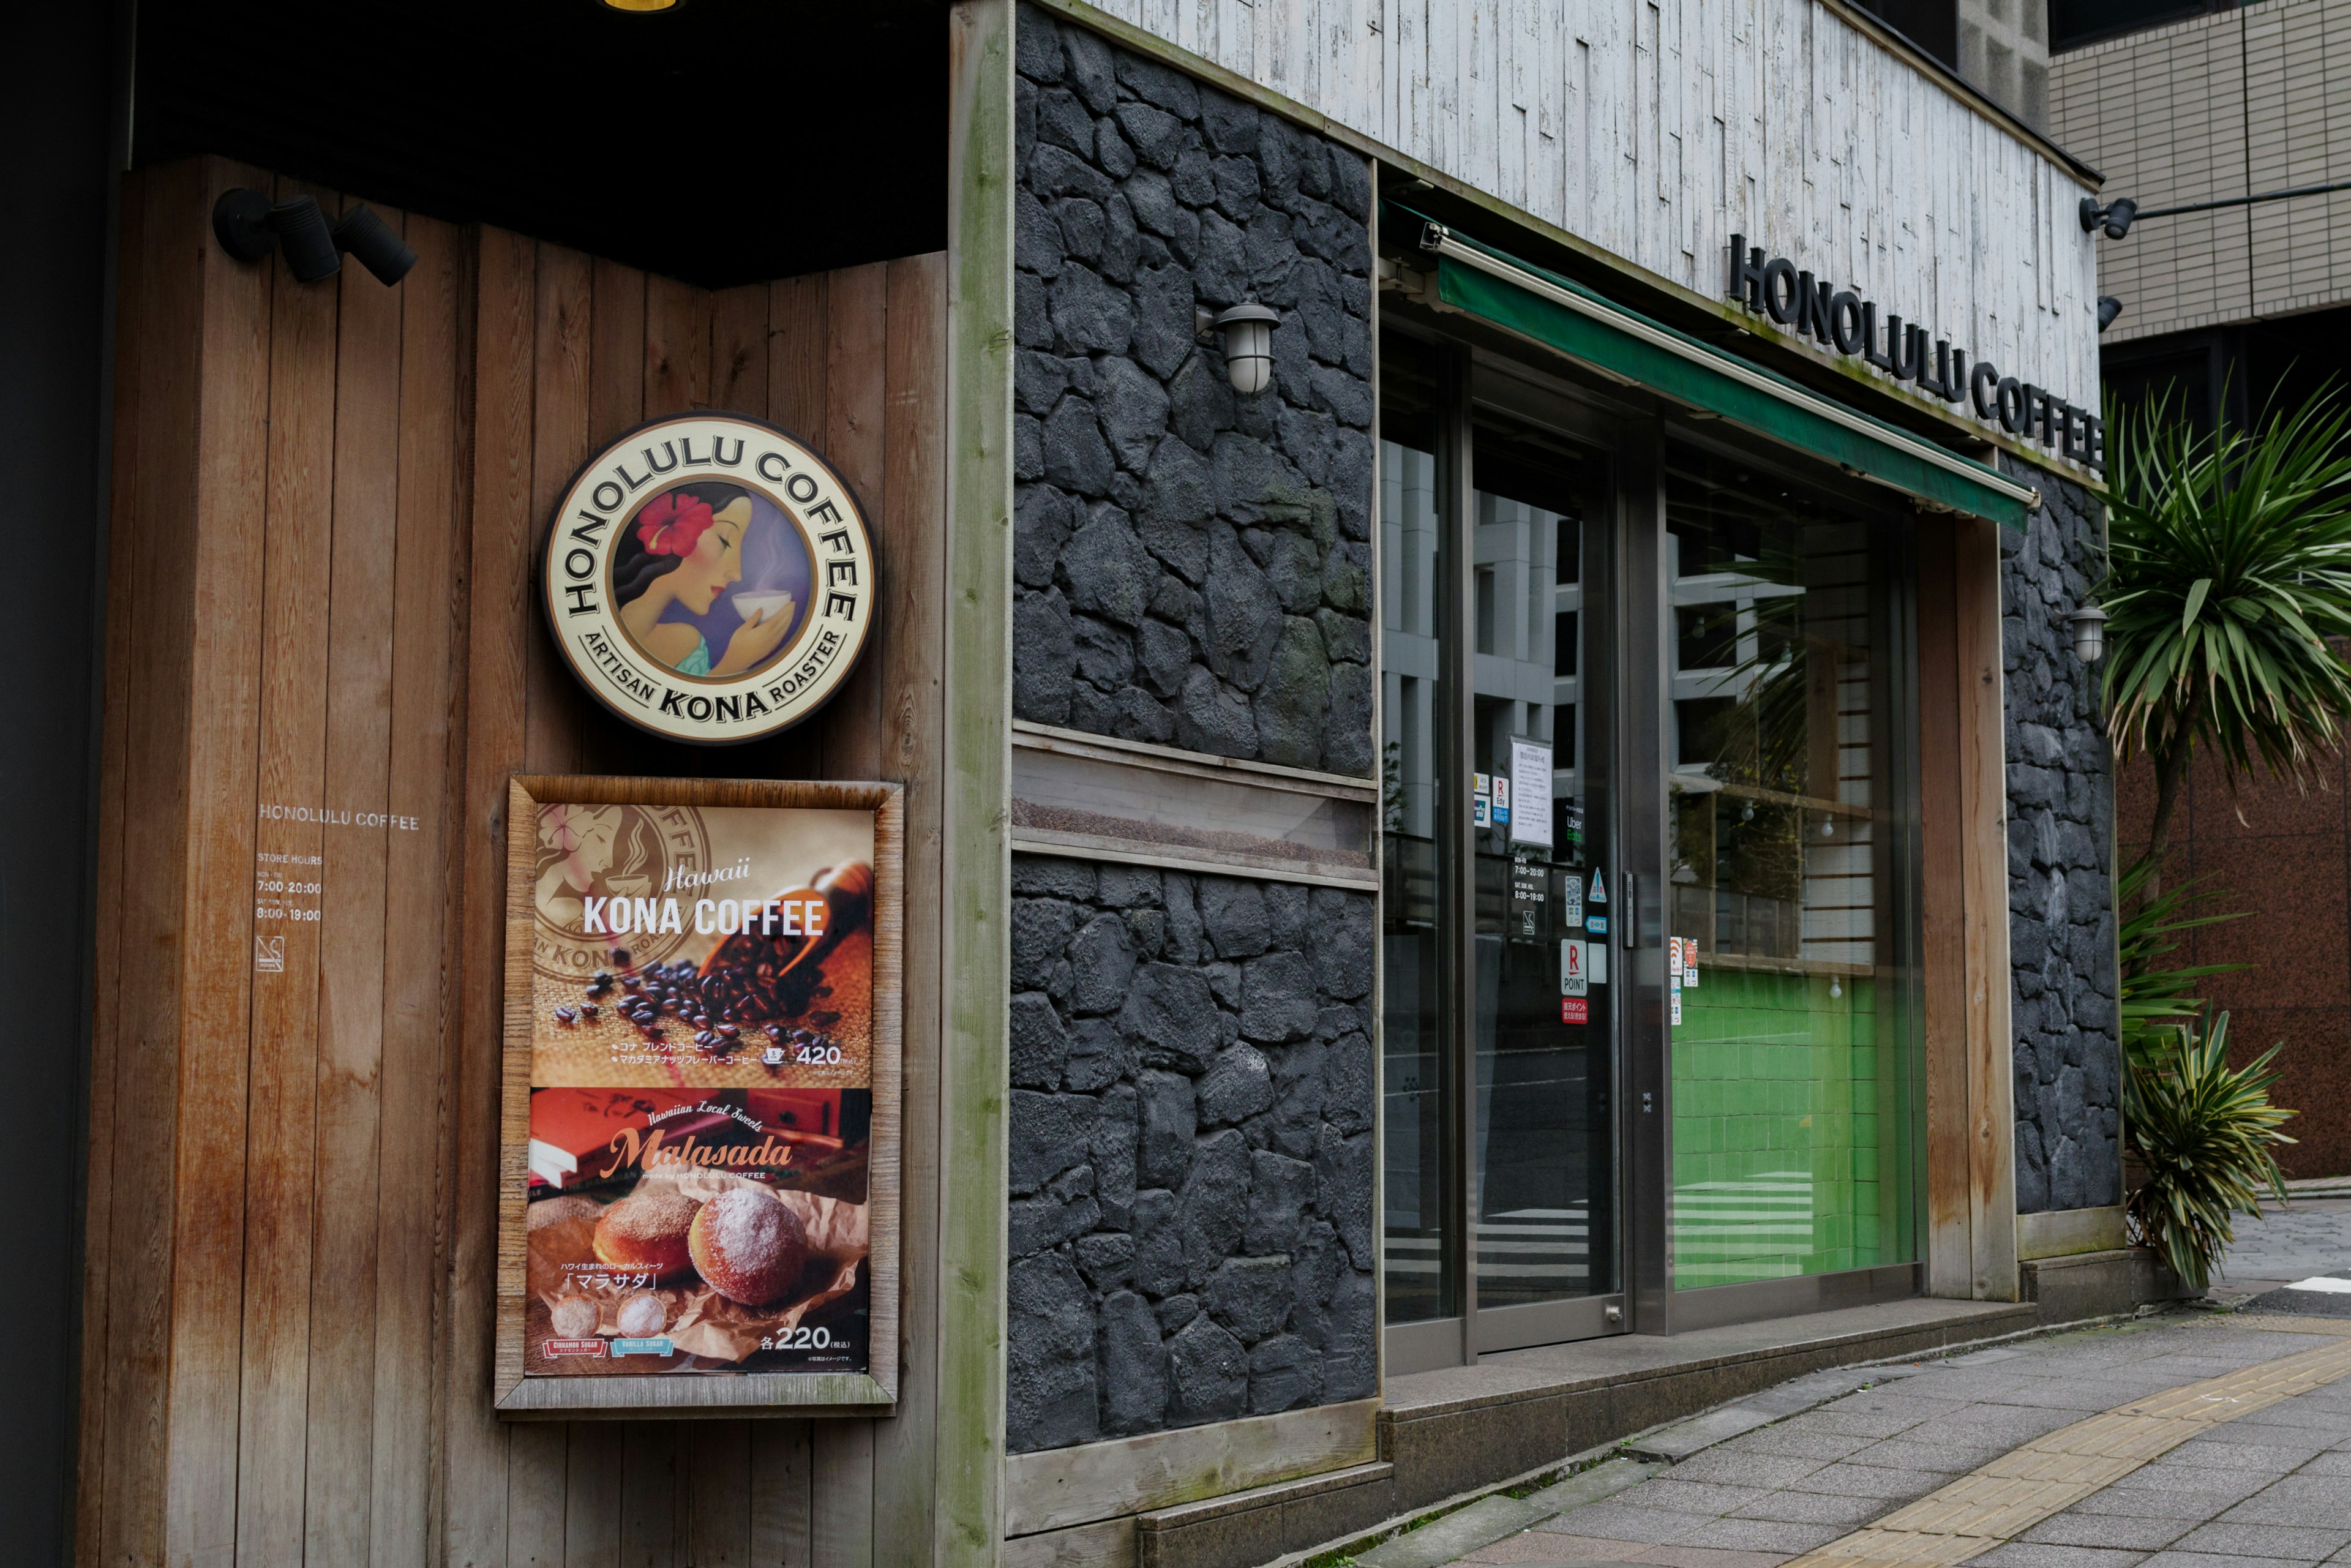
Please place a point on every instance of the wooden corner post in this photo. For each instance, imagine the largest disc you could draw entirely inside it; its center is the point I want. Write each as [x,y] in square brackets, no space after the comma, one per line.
[975,955]
[1963,796]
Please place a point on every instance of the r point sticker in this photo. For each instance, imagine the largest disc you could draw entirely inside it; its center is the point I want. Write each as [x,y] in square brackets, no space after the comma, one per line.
[709,578]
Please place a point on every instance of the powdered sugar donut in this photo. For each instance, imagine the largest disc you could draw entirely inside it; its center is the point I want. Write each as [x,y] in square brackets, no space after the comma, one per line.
[748,1247]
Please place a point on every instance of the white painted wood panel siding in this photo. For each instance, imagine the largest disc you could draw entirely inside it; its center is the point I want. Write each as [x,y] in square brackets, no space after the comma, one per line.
[1655,129]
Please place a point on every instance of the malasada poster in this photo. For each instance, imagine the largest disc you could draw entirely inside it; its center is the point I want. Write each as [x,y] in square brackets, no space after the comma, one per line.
[701,1089]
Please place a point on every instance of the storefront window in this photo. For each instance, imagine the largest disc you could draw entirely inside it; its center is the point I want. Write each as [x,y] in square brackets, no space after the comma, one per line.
[1790,1136]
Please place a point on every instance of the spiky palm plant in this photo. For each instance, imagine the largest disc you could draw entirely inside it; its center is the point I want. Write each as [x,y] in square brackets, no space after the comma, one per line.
[2207,1134]
[2229,567]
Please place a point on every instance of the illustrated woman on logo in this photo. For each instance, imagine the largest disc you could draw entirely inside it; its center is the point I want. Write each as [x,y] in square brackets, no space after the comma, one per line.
[685,548]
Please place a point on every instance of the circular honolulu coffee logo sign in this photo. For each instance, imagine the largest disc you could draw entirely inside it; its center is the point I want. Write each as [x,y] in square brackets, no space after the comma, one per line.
[709,578]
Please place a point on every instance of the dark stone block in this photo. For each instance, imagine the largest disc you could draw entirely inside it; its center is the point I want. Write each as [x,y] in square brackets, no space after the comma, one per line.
[1211,717]
[1112,1151]
[1063,122]
[1236,186]
[1049,1398]
[1076,457]
[1038,1042]
[1158,1244]
[1298,1087]
[1157,137]
[1038,247]
[1163,656]
[1285,1374]
[1133,413]
[1107,1261]
[1282,1190]
[1101,963]
[1027,448]
[1237,1086]
[1065,1209]
[1049,1135]
[1041,929]
[1292,564]
[1207,1374]
[1106,662]
[1171,1018]
[1233,916]
[1083,229]
[1036,46]
[1192,179]
[1091,314]
[1286,914]
[1049,876]
[1169,1122]
[1058,171]
[1229,124]
[1347,1085]
[1214,1203]
[1089,69]
[1277,998]
[1293,704]
[1343,947]
[1342,1171]
[1347,578]
[1042,520]
[1243,616]
[1095,1054]
[1220,268]
[1134,1365]
[1186,938]
[1250,1296]
[1179,494]
[1157,84]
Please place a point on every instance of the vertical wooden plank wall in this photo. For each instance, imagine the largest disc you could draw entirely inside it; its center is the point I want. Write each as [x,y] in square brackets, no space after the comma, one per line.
[328,503]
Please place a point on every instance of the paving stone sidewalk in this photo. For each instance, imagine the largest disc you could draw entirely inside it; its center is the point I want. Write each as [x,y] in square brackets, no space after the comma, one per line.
[2272,1487]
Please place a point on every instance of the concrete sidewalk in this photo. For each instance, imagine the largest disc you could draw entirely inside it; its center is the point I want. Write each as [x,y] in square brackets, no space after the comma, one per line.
[2273,1487]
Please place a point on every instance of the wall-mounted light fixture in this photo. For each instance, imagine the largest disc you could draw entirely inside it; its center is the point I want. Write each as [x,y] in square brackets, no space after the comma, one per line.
[249,226]
[1248,343]
[641,8]
[2115,215]
[2108,308]
[2089,628]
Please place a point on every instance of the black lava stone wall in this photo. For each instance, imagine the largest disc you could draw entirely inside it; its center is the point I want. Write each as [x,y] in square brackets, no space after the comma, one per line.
[1194,568]
[2068,1053]
[1191,1151]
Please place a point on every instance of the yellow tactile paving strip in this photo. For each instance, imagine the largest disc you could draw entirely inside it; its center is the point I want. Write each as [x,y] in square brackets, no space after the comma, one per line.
[2016,1491]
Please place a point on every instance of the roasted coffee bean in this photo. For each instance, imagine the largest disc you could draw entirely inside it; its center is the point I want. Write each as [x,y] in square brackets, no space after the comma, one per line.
[620,956]
[729,1032]
[564,1015]
[589,1011]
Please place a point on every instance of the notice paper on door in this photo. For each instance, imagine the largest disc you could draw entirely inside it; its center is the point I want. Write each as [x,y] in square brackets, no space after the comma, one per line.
[1531,793]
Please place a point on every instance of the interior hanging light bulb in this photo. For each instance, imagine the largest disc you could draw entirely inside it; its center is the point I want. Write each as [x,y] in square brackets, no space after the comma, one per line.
[1828,827]
[1836,987]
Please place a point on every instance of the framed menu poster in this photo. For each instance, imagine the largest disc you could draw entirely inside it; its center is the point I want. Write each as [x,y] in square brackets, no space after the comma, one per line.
[699,1151]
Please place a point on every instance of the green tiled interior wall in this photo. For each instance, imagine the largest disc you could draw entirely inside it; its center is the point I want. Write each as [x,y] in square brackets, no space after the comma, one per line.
[1788,1134]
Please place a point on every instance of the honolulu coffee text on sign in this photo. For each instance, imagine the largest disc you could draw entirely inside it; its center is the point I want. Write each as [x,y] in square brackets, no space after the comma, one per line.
[710,578]
[1842,319]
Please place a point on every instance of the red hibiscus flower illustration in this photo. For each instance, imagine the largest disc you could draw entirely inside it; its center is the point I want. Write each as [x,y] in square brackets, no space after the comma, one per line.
[673,524]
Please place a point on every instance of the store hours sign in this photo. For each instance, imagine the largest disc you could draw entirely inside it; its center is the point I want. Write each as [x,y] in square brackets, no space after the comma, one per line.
[709,578]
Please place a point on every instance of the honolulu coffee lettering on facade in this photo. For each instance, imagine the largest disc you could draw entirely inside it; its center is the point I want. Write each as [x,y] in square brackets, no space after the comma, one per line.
[709,578]
[1844,320]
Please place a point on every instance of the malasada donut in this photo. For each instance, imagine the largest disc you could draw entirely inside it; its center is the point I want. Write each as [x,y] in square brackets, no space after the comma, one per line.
[748,1247]
[647,1233]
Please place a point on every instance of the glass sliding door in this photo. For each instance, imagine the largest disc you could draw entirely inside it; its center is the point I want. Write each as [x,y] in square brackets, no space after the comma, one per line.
[1542,1030]
[1499,1053]
[1791,1080]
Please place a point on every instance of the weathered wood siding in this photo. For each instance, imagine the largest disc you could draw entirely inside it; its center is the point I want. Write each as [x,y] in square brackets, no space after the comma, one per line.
[327,504]
[1656,128]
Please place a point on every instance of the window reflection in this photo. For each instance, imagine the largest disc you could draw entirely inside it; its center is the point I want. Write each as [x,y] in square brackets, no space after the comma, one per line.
[1788,1143]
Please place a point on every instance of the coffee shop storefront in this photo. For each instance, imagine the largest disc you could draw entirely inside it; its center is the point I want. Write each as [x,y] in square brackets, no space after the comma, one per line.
[975,861]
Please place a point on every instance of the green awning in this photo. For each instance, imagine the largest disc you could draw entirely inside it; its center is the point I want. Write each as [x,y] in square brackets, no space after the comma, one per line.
[1573,320]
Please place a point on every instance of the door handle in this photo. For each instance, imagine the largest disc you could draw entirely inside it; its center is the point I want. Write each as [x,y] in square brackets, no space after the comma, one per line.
[1629,883]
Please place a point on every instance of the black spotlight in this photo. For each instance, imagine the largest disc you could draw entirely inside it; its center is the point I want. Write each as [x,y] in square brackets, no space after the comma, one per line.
[2108,308]
[249,226]
[363,234]
[303,235]
[2115,215]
